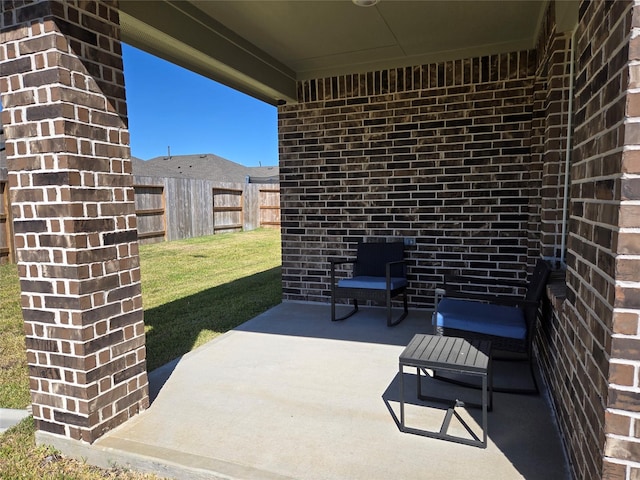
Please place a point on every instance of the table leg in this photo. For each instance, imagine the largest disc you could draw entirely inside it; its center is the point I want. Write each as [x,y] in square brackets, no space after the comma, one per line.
[401,398]
[485,420]
[490,373]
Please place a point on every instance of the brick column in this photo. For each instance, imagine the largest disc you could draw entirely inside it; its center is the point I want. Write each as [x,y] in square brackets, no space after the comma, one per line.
[599,342]
[548,141]
[622,414]
[555,141]
[69,167]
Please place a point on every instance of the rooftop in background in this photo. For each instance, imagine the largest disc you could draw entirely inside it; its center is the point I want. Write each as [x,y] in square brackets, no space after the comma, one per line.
[204,167]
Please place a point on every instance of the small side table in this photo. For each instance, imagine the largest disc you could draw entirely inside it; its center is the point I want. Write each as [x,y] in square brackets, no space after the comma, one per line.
[454,355]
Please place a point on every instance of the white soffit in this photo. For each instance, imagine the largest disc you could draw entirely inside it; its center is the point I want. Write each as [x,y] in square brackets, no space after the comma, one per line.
[322,38]
[262,47]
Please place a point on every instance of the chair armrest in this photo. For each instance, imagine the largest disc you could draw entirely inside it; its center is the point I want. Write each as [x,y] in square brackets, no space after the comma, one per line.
[338,261]
[388,266]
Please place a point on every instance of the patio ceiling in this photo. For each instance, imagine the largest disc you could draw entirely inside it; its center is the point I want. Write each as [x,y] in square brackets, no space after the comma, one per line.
[263,47]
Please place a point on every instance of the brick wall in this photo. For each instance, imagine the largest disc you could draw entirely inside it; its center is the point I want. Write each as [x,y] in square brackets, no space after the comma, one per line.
[550,140]
[62,89]
[601,83]
[621,243]
[440,153]
[579,335]
[554,148]
[554,352]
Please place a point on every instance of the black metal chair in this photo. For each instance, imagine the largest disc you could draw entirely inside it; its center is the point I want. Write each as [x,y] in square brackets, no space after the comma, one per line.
[509,321]
[379,275]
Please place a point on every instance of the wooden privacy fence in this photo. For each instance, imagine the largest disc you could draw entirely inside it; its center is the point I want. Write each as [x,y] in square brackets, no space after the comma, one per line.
[177,208]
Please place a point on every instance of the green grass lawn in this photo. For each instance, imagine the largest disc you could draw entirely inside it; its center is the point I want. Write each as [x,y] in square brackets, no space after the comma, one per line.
[192,291]
[14,376]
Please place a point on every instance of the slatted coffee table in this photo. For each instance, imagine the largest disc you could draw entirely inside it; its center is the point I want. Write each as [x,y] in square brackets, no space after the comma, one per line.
[455,355]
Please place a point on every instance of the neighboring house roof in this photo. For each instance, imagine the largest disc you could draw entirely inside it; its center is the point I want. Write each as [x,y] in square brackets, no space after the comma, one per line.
[205,167]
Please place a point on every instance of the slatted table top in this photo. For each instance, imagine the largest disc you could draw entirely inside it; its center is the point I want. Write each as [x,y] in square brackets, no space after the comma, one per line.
[434,351]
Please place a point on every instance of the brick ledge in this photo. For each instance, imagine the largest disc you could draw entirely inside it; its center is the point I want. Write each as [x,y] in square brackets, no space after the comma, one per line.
[557,292]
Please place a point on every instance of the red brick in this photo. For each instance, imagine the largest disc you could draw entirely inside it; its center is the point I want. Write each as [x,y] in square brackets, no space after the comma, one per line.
[622,374]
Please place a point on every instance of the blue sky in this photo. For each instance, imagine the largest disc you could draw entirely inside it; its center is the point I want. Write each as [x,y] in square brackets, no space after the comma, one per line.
[170,106]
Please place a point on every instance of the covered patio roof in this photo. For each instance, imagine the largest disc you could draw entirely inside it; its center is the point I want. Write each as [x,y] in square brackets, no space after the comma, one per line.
[467,156]
[263,47]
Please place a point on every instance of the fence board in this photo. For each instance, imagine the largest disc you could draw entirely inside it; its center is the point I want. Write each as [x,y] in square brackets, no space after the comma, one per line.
[6,232]
[201,201]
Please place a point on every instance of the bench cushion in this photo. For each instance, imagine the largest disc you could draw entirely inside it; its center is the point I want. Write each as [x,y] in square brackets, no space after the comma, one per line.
[374,283]
[486,318]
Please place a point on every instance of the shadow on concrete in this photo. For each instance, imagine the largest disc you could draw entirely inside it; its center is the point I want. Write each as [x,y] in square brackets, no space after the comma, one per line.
[174,327]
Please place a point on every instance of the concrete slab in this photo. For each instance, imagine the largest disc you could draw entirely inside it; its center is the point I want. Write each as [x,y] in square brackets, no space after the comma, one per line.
[290,394]
[10,417]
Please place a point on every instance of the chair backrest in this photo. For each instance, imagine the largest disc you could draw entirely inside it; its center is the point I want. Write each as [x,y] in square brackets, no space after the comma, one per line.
[372,259]
[538,281]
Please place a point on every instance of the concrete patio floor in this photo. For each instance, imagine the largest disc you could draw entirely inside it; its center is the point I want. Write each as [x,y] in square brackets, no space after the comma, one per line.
[290,394]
